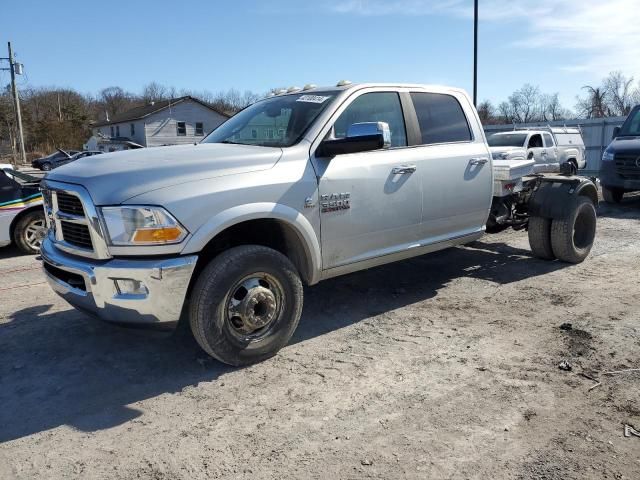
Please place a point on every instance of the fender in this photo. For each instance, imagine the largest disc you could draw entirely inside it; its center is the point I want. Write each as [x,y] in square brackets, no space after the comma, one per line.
[255,211]
[555,197]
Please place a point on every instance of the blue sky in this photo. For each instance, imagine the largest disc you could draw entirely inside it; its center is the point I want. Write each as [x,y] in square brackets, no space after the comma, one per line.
[255,45]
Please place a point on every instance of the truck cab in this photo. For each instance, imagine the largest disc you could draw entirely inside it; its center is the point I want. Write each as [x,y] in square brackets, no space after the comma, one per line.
[297,188]
[620,167]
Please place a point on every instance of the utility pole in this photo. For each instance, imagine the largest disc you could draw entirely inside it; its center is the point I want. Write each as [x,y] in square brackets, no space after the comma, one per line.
[475,53]
[16,104]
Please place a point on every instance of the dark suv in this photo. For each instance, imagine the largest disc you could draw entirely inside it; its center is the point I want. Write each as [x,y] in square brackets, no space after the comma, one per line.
[620,168]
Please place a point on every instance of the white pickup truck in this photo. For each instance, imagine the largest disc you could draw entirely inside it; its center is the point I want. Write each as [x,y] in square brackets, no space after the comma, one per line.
[554,149]
[225,233]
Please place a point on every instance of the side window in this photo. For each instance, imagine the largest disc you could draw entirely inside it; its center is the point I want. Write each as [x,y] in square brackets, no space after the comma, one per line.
[535,141]
[441,118]
[548,140]
[374,107]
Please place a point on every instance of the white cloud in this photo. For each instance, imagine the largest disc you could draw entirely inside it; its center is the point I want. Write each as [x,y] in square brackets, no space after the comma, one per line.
[602,35]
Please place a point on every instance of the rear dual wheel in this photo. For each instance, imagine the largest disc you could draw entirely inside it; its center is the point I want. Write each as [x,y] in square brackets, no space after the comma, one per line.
[246,305]
[569,239]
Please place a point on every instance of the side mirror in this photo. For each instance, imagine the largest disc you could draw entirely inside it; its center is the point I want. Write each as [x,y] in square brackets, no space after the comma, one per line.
[361,137]
[616,132]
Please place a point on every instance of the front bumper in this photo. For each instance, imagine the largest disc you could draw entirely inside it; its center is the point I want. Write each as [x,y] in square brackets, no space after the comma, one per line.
[94,286]
[609,177]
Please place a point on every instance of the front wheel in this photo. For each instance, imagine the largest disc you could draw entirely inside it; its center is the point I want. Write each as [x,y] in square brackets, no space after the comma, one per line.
[46,167]
[612,194]
[246,305]
[29,232]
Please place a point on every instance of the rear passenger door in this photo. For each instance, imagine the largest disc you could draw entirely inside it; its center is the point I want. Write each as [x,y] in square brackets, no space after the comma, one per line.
[457,180]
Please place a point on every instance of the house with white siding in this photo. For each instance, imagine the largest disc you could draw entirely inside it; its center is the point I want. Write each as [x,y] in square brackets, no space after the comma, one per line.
[168,122]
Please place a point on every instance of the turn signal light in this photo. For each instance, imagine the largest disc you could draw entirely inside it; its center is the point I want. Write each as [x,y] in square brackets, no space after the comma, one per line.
[157,235]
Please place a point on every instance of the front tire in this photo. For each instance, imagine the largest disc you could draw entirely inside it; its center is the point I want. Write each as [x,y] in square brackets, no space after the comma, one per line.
[612,194]
[29,232]
[46,167]
[572,237]
[246,305]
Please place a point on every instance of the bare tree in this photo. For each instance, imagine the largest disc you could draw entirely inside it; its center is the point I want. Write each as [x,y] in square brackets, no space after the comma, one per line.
[115,100]
[619,92]
[154,92]
[486,112]
[595,104]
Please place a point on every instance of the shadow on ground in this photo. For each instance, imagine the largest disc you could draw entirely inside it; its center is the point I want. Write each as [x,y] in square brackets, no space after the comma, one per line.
[629,208]
[63,368]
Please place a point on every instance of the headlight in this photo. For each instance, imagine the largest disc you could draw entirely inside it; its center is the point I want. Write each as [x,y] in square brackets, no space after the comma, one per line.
[608,155]
[133,225]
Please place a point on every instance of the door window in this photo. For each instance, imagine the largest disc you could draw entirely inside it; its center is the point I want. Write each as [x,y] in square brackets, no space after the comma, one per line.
[374,107]
[440,118]
[535,141]
[548,140]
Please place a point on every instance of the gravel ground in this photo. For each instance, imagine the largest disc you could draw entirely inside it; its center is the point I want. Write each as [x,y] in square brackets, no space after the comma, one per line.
[444,366]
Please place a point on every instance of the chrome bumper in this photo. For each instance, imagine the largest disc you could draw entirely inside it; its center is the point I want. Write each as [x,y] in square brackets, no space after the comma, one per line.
[94,286]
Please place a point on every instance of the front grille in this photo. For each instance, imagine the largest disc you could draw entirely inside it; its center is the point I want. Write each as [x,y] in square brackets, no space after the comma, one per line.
[76,234]
[627,165]
[69,204]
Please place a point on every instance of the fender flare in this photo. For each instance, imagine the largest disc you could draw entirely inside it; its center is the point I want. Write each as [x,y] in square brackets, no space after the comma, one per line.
[256,211]
[556,198]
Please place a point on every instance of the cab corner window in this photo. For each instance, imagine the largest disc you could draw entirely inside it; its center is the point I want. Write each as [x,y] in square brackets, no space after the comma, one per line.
[441,118]
[374,107]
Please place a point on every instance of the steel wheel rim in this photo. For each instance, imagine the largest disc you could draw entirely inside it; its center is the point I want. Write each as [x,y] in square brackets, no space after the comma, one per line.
[253,306]
[34,233]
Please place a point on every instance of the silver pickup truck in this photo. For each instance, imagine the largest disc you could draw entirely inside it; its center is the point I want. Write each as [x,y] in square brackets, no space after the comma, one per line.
[295,189]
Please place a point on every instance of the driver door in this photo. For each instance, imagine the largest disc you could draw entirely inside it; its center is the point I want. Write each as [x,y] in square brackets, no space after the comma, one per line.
[367,208]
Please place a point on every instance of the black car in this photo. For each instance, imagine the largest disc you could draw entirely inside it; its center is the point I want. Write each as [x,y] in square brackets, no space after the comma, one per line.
[620,168]
[77,156]
[51,161]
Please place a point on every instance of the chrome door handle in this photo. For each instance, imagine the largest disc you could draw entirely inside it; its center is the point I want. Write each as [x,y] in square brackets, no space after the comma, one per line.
[478,161]
[403,169]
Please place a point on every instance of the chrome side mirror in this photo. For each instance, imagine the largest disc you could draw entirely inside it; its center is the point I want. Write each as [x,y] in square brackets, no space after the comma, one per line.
[371,129]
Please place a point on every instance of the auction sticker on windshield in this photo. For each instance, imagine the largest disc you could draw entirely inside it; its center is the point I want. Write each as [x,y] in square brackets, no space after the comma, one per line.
[312,99]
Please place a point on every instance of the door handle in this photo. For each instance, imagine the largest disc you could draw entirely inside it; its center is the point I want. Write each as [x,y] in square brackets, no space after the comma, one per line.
[478,161]
[403,169]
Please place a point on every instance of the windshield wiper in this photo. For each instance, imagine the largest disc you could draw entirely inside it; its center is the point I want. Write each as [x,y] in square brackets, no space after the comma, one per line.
[229,142]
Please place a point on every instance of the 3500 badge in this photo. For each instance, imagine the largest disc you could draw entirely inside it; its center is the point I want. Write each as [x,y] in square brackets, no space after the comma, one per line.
[334,202]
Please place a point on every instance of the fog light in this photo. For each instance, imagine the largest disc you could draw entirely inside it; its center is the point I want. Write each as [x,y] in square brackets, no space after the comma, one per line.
[128,286]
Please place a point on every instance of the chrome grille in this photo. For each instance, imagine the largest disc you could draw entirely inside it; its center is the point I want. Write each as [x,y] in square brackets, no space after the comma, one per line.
[76,234]
[74,224]
[628,165]
[69,204]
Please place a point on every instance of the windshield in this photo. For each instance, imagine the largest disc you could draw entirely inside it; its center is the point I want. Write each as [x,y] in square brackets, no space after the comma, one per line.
[631,126]
[507,140]
[275,122]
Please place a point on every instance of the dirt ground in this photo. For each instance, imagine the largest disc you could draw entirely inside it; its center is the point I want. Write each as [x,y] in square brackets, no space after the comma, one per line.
[444,366]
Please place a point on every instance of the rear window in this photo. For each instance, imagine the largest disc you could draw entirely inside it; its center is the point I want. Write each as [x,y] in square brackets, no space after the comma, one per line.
[565,139]
[441,118]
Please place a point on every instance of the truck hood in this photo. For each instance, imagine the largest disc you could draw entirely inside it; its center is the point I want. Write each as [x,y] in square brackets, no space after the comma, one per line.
[626,145]
[115,177]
